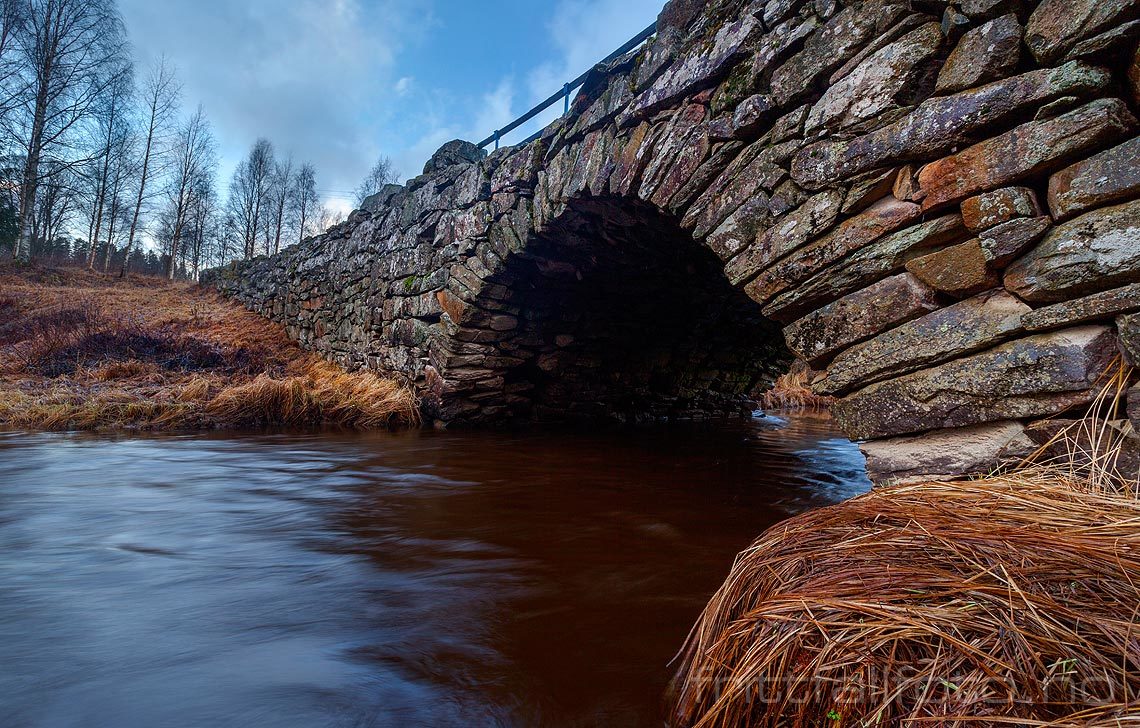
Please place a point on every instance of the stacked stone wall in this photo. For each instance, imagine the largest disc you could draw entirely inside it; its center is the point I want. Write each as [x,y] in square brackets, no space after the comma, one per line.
[938,202]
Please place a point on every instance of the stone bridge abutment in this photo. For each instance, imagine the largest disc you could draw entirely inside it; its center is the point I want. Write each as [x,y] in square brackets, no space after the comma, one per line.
[937,201]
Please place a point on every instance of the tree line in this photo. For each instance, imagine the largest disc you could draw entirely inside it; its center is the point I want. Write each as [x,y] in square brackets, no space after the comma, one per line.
[101,168]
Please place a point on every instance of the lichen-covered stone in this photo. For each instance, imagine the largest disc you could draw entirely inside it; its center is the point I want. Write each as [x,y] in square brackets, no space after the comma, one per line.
[1105,178]
[990,209]
[1094,252]
[815,338]
[891,77]
[871,263]
[942,123]
[882,218]
[1032,148]
[984,54]
[452,153]
[942,454]
[1103,306]
[954,331]
[826,50]
[1057,25]
[960,270]
[1003,243]
[814,217]
[1032,377]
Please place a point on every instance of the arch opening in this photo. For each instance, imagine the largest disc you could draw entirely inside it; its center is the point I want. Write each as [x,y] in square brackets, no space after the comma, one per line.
[614,312]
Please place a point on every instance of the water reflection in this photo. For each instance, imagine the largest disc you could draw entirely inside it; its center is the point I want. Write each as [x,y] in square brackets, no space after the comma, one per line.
[373,580]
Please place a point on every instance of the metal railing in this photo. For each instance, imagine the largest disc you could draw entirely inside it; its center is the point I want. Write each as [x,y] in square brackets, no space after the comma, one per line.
[566,91]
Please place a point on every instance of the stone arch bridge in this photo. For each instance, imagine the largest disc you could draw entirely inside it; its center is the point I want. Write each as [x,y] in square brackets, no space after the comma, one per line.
[933,203]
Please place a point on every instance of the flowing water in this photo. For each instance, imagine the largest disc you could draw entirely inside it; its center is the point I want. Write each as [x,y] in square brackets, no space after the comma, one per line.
[409,579]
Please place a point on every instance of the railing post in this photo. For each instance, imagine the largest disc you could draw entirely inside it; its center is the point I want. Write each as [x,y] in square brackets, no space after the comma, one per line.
[566,108]
[496,139]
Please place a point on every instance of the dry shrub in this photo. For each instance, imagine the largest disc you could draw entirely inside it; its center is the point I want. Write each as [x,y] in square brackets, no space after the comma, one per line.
[1007,600]
[323,394]
[792,391]
[81,350]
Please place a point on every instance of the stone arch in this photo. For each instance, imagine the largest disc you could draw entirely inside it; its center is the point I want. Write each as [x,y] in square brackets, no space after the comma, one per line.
[608,310]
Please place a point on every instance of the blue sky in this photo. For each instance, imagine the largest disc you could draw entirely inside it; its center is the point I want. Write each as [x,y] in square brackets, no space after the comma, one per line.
[340,82]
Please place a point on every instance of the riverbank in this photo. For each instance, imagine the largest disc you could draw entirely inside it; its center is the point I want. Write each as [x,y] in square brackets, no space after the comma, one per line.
[1010,599]
[84,351]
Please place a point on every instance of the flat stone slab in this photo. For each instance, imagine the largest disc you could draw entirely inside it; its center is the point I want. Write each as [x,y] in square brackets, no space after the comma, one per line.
[940,124]
[880,219]
[859,316]
[963,328]
[1105,178]
[1058,25]
[863,267]
[986,53]
[1102,306]
[1030,149]
[940,455]
[1094,252]
[1032,377]
[960,270]
[993,208]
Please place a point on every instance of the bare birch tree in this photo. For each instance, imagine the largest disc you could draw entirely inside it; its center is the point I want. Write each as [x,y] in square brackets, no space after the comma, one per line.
[160,94]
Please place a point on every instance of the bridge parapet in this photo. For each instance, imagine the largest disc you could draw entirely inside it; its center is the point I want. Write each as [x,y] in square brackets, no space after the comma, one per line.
[938,202]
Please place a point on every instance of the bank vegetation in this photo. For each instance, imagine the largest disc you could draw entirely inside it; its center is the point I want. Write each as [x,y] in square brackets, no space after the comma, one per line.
[1012,599]
[83,351]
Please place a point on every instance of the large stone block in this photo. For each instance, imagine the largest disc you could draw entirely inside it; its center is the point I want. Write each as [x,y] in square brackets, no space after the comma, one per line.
[940,124]
[997,206]
[1094,252]
[942,454]
[865,266]
[960,270]
[890,77]
[982,55]
[1032,377]
[880,219]
[1058,25]
[1101,306]
[858,316]
[826,50]
[1105,178]
[786,235]
[963,328]
[1030,149]
[1005,242]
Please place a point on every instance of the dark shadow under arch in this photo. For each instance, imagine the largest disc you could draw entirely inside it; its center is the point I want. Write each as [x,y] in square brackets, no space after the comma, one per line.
[622,316]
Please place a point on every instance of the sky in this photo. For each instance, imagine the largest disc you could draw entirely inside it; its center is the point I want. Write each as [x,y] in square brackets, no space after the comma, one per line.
[339,83]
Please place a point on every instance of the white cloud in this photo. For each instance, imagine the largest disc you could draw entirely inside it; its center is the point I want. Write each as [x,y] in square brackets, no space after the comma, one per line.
[403,85]
[306,74]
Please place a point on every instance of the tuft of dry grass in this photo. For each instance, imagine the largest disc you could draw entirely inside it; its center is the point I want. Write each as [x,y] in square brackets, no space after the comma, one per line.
[1006,600]
[792,391]
[82,351]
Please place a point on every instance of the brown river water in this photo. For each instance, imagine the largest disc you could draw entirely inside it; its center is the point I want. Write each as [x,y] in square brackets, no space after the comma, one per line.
[409,579]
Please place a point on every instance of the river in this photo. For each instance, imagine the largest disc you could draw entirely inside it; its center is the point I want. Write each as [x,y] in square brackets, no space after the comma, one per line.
[385,579]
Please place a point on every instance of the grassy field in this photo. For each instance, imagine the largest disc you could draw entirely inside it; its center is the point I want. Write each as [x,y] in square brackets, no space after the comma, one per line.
[84,351]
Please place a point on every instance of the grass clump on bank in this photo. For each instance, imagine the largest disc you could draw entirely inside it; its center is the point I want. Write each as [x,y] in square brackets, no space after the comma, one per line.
[83,351]
[1007,600]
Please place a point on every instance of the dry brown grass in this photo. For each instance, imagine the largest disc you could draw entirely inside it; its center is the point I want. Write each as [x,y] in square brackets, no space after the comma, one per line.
[82,351]
[792,391]
[1008,600]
